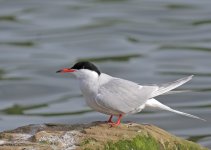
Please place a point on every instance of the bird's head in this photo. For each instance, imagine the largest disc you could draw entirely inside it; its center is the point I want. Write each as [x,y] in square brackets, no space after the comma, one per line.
[82,70]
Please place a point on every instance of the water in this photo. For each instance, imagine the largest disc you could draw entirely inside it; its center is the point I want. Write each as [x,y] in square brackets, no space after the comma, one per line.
[146,41]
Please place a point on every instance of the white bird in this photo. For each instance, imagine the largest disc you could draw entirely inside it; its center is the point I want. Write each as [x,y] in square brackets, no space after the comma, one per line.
[119,97]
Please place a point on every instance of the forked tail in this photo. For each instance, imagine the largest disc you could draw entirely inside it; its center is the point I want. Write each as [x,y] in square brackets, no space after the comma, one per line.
[153,103]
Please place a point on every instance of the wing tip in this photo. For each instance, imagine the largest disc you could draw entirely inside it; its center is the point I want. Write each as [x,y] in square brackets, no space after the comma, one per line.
[191,76]
[202,119]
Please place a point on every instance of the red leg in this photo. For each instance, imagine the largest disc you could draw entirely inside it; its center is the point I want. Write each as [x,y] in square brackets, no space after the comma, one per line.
[118,121]
[110,119]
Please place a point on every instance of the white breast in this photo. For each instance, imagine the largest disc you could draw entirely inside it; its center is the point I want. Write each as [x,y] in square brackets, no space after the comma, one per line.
[89,88]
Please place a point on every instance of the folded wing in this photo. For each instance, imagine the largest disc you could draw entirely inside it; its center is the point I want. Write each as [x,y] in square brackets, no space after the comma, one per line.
[123,96]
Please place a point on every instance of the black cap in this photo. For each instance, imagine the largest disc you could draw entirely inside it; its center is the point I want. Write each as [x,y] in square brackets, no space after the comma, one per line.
[86,65]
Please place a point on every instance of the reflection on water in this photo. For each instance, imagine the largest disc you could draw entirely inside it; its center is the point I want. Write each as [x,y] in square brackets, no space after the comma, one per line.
[7,18]
[191,48]
[24,43]
[144,41]
[110,58]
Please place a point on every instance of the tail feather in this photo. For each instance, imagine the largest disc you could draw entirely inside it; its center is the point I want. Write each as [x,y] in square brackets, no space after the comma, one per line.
[163,88]
[153,103]
[176,92]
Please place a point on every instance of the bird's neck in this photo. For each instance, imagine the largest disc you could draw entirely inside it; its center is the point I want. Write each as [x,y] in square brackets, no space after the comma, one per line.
[89,85]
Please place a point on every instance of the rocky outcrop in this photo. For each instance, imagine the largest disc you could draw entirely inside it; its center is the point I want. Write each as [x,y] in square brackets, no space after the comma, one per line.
[97,135]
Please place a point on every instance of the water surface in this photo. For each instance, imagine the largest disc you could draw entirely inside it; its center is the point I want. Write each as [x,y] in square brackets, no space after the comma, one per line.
[146,41]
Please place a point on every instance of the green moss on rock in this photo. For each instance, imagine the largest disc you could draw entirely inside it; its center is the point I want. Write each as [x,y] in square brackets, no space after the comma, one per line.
[137,143]
[149,143]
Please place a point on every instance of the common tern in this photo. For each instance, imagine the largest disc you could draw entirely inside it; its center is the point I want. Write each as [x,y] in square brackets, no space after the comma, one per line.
[118,97]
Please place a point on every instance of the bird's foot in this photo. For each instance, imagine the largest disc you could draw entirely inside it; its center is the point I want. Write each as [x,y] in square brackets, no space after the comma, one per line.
[110,119]
[113,124]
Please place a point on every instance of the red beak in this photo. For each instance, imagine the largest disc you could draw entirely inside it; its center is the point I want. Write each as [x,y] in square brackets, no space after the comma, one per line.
[66,70]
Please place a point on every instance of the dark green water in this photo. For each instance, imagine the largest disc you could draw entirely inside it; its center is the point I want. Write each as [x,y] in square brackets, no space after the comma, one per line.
[146,41]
